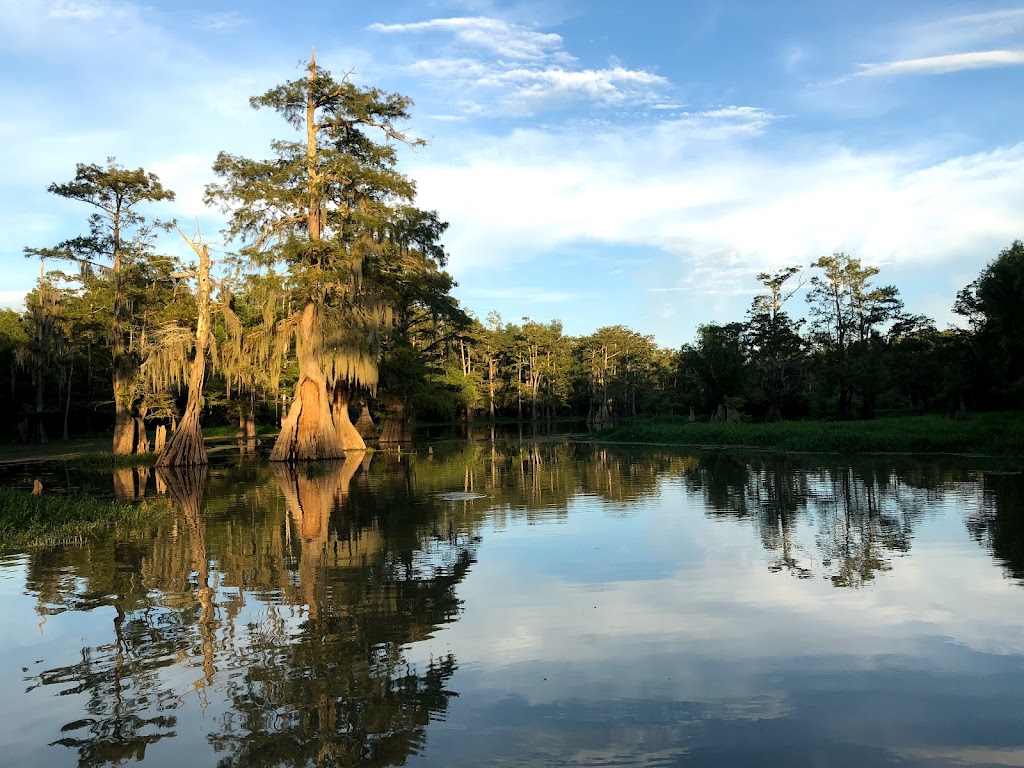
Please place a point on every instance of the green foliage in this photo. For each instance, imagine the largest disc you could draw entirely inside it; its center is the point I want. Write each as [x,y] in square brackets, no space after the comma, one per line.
[13,334]
[718,359]
[994,305]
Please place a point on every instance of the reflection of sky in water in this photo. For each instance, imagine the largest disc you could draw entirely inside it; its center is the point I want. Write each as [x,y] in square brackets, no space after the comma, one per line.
[662,637]
[647,629]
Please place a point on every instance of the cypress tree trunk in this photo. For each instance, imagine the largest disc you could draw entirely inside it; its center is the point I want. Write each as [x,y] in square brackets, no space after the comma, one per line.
[868,400]
[185,448]
[349,436]
[845,410]
[125,431]
[38,427]
[491,373]
[141,437]
[365,426]
[308,432]
[249,428]
[67,402]
[396,426]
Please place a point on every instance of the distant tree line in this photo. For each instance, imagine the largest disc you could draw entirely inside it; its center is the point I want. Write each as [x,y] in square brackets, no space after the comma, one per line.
[334,303]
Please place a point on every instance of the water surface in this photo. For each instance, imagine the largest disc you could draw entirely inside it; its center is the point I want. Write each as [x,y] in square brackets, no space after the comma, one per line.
[528,604]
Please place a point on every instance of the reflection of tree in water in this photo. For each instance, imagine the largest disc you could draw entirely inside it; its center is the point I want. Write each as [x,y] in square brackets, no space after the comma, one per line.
[127,707]
[337,690]
[863,515]
[291,597]
[350,576]
[860,523]
[999,522]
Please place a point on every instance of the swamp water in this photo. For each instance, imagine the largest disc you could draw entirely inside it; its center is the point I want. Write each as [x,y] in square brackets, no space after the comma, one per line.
[528,604]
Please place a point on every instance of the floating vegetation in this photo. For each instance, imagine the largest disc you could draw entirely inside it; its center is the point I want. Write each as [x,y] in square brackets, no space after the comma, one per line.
[459,496]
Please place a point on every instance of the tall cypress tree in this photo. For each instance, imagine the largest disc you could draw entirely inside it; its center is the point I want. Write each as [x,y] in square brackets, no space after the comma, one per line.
[119,236]
[320,205]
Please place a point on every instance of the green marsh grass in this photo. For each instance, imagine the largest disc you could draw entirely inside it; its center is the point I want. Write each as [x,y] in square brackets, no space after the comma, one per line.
[995,434]
[27,520]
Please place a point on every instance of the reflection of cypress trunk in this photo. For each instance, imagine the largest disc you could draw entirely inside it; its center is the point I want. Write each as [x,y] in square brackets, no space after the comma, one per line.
[185,448]
[396,426]
[349,436]
[311,501]
[185,487]
[308,432]
[130,483]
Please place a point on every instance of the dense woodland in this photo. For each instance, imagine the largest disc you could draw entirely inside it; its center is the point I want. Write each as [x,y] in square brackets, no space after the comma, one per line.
[329,313]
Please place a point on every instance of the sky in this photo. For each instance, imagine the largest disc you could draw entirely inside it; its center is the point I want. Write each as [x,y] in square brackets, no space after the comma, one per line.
[599,162]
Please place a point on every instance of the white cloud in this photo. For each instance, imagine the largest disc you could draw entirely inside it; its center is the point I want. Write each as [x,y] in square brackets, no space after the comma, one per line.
[525,71]
[613,86]
[962,31]
[717,203]
[77,9]
[494,35]
[532,295]
[445,118]
[218,22]
[523,90]
[12,299]
[935,65]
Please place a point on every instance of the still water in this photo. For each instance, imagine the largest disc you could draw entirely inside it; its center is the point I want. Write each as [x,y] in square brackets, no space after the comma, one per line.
[529,605]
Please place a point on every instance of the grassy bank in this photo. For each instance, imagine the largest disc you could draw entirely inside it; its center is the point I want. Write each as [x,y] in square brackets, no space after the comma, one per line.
[27,520]
[997,434]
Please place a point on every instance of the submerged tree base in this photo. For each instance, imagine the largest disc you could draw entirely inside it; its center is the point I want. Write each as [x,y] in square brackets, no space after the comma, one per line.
[308,432]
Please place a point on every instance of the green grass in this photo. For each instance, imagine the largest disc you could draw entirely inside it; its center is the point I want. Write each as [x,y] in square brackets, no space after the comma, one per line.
[995,434]
[27,520]
[102,460]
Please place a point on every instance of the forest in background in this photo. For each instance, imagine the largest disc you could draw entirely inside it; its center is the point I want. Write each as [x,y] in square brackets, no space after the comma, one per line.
[331,315]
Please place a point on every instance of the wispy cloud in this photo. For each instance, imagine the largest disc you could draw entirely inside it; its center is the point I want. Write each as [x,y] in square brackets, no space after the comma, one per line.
[494,35]
[495,66]
[610,86]
[937,65]
[12,299]
[445,118]
[219,22]
[77,9]
[529,295]
[962,31]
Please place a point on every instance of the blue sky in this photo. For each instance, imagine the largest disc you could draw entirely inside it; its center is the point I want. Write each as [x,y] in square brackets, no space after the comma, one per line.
[599,162]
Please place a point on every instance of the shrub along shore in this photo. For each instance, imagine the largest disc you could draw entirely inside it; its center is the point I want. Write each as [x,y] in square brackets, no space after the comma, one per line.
[994,434]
